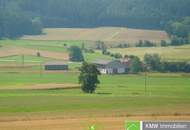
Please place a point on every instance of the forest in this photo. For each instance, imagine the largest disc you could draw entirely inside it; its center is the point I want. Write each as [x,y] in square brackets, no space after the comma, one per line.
[19,17]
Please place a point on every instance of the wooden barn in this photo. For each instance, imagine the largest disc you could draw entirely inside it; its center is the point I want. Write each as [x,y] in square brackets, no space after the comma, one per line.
[56,65]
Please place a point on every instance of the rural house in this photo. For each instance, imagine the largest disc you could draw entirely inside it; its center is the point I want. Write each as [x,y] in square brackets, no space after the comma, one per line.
[56,65]
[110,66]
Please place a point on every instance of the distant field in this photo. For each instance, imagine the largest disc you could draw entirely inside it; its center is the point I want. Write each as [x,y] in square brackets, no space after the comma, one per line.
[12,52]
[177,53]
[107,34]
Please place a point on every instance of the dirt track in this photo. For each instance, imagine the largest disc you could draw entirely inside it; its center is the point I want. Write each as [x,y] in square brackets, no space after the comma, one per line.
[42,87]
[12,51]
[100,123]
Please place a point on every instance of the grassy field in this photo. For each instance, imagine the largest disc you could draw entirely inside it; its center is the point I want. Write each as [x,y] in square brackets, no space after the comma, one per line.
[171,53]
[115,93]
[106,34]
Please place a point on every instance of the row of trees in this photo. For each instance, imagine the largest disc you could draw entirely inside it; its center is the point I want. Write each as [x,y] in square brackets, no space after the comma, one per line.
[153,63]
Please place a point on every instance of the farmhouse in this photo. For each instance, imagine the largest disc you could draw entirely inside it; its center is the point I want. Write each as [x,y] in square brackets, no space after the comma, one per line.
[56,65]
[110,66]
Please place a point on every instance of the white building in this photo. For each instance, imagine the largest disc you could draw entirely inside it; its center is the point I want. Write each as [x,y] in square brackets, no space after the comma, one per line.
[110,66]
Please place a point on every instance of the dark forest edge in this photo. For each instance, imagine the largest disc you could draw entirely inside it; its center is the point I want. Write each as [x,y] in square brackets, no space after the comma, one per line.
[28,17]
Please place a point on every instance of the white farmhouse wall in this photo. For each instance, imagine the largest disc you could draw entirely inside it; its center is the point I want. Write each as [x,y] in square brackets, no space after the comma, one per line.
[109,71]
[103,71]
[121,70]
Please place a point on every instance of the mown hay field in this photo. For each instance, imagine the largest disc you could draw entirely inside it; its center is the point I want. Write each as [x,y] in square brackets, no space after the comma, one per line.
[171,53]
[106,34]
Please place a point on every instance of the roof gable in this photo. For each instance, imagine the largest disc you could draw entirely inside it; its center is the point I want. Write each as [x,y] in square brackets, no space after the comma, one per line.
[55,63]
[102,61]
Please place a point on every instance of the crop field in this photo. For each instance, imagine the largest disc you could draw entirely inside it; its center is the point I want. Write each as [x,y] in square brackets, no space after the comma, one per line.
[172,53]
[106,34]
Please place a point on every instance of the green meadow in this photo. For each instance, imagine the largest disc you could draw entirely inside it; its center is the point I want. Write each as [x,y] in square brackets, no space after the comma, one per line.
[127,94]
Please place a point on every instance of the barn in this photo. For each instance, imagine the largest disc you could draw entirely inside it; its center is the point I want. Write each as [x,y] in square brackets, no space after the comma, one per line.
[110,66]
[56,65]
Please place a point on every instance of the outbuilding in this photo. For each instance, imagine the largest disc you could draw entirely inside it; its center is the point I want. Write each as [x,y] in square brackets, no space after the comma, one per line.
[110,66]
[56,65]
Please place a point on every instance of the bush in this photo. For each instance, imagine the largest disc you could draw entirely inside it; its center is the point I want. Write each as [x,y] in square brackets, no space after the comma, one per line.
[75,54]
[176,67]
[163,43]
[177,41]
[146,43]
[124,45]
[38,54]
[117,55]
[89,50]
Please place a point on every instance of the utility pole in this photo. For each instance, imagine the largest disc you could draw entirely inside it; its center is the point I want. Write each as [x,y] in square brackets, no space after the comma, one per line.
[41,69]
[145,83]
[23,60]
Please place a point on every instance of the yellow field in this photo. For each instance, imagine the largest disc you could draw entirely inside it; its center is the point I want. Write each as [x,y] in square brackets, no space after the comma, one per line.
[107,34]
[181,53]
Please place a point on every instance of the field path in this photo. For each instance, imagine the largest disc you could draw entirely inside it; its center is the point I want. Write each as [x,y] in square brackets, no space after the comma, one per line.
[12,51]
[100,123]
[42,87]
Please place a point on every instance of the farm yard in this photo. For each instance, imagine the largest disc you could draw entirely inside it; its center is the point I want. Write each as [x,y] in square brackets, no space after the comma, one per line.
[32,98]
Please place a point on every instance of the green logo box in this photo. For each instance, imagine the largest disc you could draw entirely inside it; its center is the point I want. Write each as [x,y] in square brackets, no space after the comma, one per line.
[133,125]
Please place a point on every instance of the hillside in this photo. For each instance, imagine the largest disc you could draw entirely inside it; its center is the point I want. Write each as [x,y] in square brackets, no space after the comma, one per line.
[28,17]
[107,34]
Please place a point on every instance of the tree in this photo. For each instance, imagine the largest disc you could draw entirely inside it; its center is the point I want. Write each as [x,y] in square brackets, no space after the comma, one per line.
[163,43]
[37,26]
[88,77]
[153,61]
[136,64]
[75,54]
